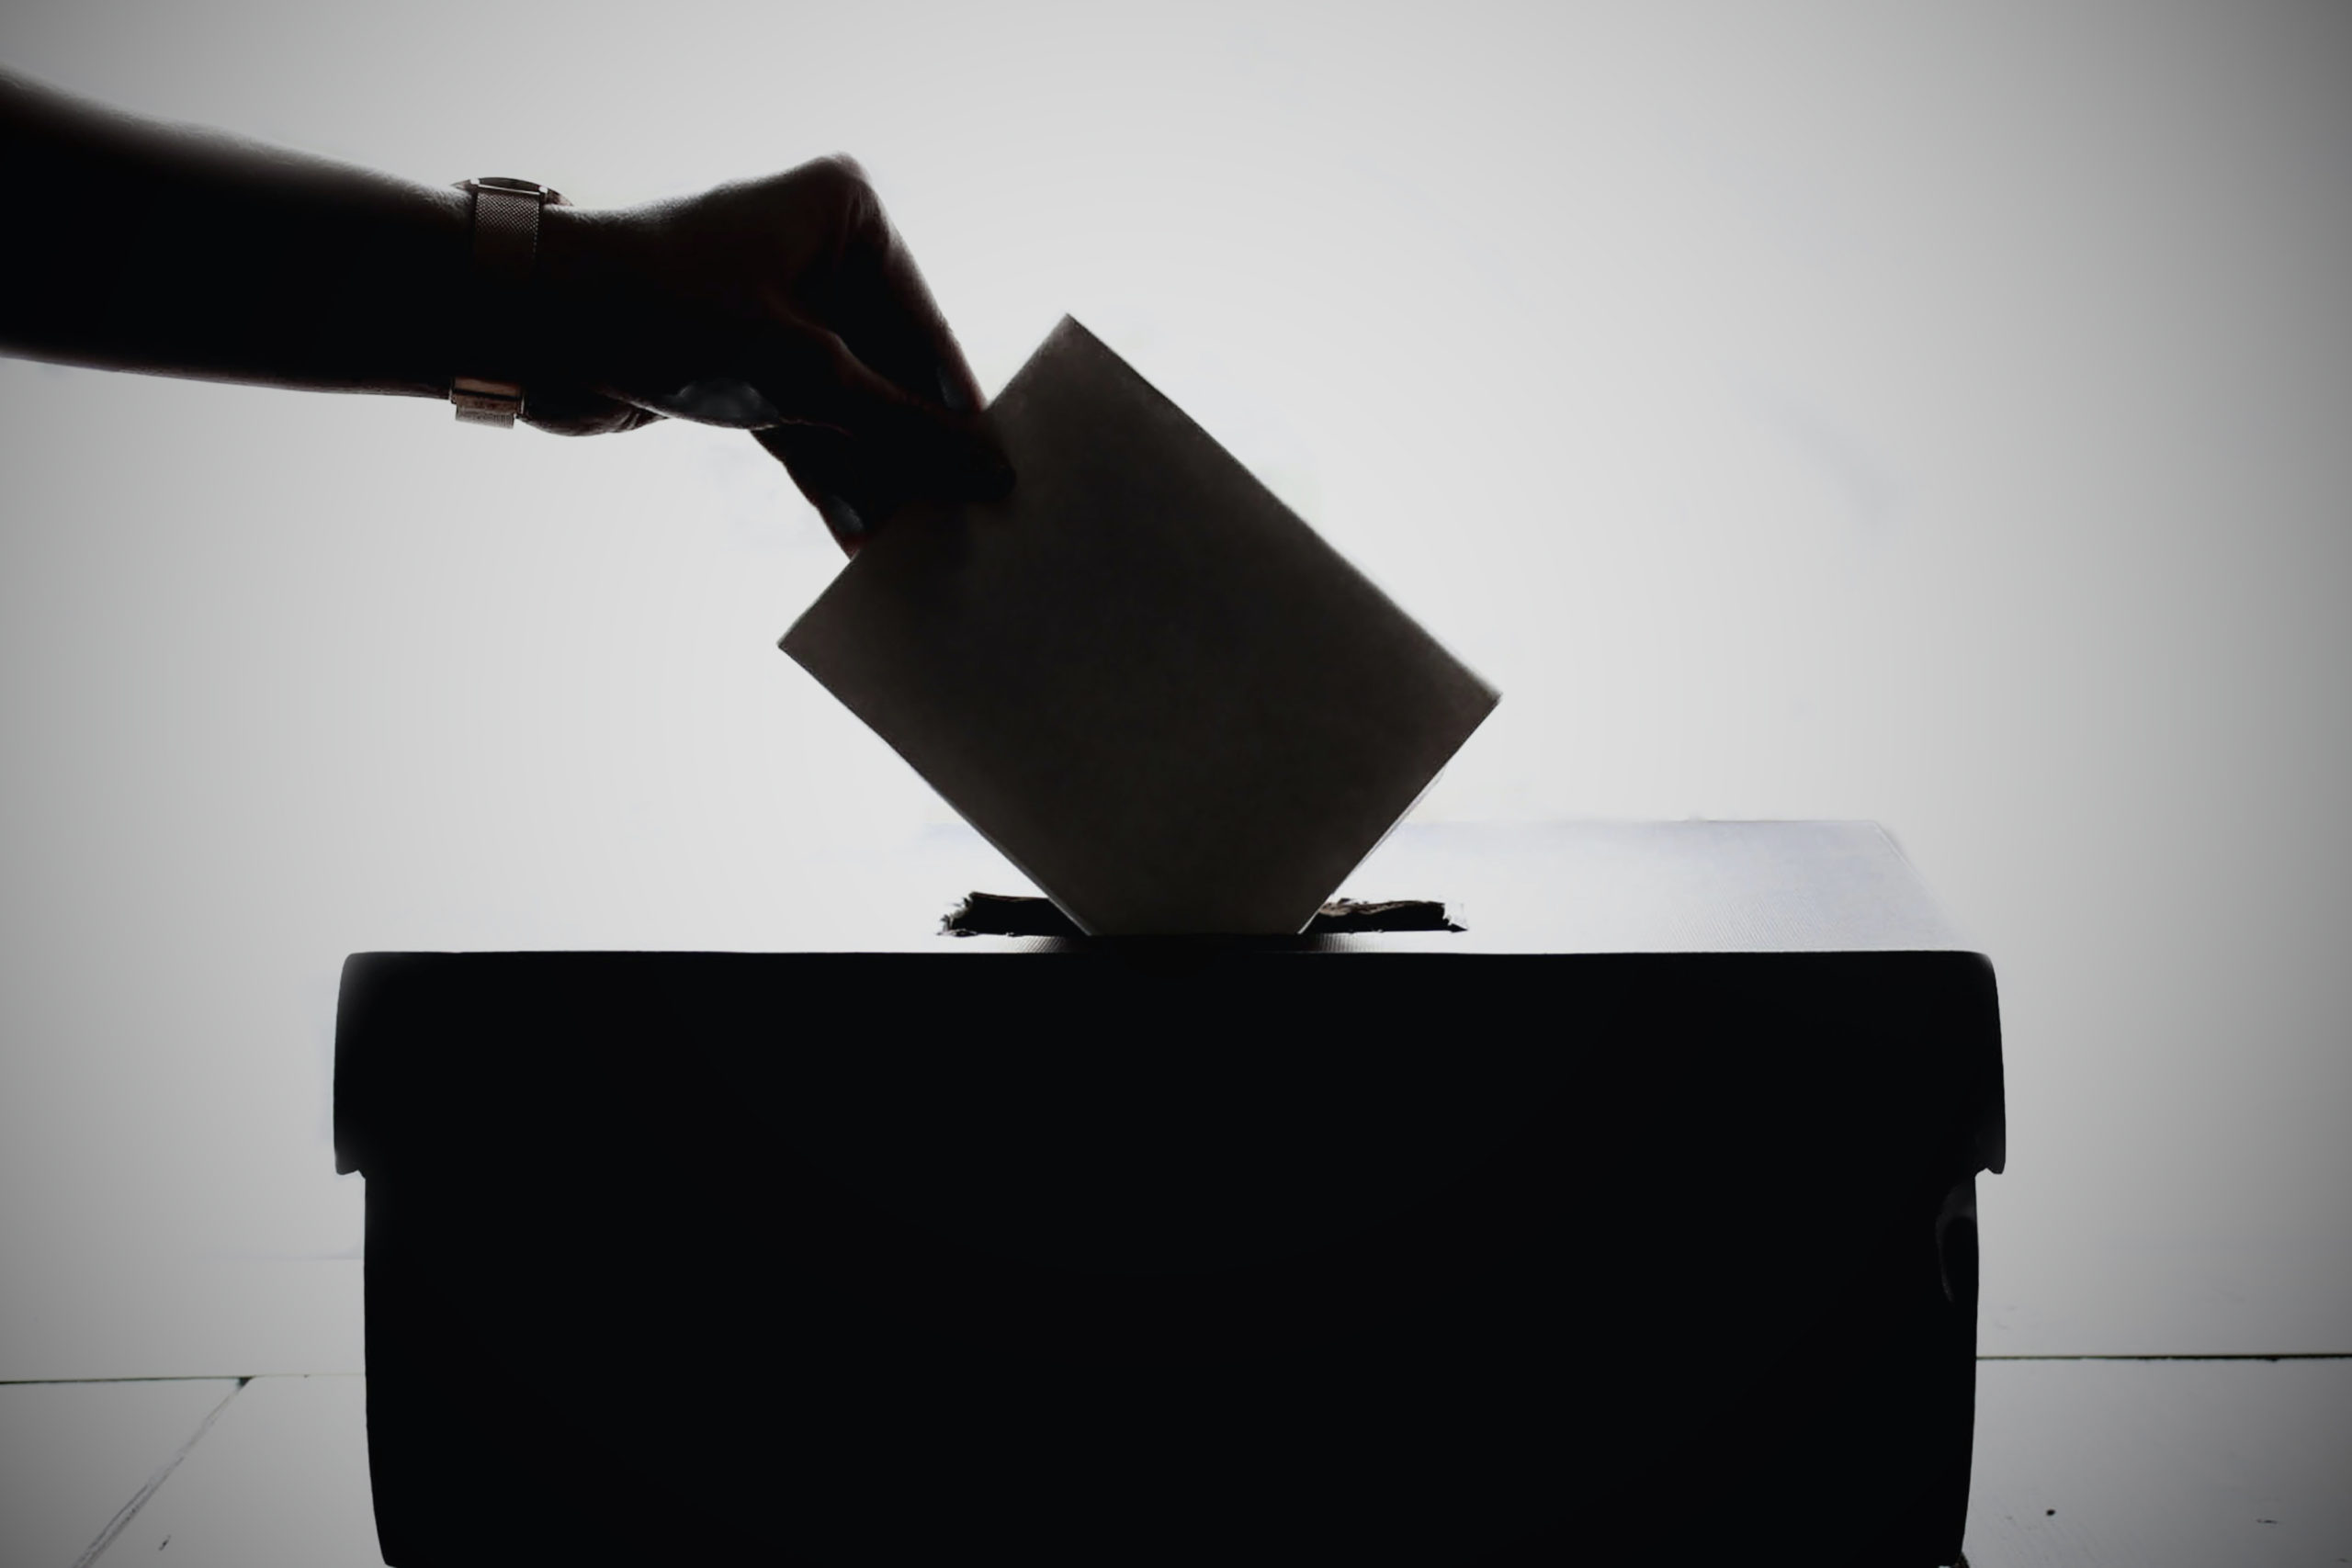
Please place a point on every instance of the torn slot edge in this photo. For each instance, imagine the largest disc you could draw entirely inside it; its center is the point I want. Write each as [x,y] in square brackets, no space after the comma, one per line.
[1006,914]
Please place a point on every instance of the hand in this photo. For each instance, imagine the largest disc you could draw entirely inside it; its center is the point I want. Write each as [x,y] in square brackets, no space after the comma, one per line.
[787,307]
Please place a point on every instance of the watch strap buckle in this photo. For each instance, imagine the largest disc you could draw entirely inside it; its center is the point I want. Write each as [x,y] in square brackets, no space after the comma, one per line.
[486,402]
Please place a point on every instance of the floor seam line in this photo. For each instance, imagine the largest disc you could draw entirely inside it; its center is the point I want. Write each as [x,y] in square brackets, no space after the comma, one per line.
[129,1511]
[2216,1355]
[171,1377]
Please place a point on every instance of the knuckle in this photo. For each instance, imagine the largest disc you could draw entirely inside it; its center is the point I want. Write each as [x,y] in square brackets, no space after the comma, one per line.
[817,352]
[812,374]
[843,178]
[859,205]
[846,168]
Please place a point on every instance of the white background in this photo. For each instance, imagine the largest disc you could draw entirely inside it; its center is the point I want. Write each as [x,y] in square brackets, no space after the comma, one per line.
[1935,415]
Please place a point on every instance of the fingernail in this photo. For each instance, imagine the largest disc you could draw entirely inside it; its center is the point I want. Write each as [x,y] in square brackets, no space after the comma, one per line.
[841,516]
[952,395]
[720,400]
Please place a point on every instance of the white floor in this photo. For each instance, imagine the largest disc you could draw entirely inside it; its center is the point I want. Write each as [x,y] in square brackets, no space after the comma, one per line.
[2161,1464]
[74,1455]
[2137,1464]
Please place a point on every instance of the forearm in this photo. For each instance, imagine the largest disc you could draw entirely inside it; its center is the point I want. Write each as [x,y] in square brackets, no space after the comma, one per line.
[787,306]
[140,246]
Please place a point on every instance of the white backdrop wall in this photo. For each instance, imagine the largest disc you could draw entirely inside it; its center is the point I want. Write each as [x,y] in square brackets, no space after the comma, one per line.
[1941,416]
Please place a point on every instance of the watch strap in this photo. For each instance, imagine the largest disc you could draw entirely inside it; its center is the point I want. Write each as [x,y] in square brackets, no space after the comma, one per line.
[505,245]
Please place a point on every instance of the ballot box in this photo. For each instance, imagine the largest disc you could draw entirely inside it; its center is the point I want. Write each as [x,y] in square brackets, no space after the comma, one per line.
[1635,1215]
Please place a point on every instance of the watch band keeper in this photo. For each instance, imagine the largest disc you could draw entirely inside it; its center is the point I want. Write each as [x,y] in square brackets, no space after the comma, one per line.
[486,402]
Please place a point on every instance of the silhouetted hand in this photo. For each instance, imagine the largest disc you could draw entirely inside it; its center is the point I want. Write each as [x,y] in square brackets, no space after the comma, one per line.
[788,307]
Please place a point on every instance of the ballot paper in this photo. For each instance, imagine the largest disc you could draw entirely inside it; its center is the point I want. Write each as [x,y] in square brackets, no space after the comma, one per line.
[1141,676]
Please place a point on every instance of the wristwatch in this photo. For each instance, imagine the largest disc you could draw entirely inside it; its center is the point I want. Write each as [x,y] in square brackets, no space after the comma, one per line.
[506,242]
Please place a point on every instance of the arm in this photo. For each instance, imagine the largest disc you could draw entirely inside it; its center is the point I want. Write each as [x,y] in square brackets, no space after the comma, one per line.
[138,247]
[786,306]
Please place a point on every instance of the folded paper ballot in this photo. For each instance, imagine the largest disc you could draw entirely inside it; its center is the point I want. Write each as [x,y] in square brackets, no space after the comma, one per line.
[1140,675]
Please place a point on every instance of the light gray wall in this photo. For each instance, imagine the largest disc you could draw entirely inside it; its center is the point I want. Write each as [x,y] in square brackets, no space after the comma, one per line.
[1941,415]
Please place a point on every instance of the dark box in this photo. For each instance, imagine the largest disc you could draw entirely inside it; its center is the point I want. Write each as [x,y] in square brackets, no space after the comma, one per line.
[1413,1249]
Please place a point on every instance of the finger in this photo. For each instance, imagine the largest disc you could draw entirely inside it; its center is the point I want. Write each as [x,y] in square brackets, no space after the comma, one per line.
[890,318]
[823,469]
[716,399]
[570,411]
[915,443]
